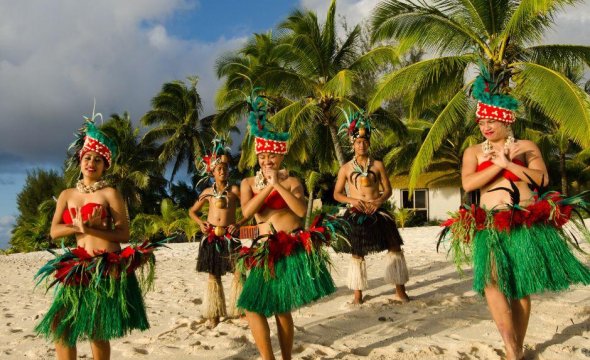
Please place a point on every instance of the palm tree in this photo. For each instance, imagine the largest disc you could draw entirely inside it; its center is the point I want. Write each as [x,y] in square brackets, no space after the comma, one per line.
[308,75]
[320,79]
[178,127]
[242,71]
[172,221]
[136,170]
[32,233]
[500,35]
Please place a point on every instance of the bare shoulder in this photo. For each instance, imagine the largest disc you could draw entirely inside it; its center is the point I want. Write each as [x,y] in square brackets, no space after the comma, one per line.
[346,168]
[528,144]
[67,192]
[473,150]
[378,164]
[293,181]
[247,183]
[111,191]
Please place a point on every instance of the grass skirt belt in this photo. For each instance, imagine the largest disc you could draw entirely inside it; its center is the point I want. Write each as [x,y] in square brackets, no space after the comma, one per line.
[521,250]
[97,297]
[287,270]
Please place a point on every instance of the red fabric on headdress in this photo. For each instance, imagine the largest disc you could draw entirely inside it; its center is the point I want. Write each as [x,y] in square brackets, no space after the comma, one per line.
[270,146]
[485,111]
[91,144]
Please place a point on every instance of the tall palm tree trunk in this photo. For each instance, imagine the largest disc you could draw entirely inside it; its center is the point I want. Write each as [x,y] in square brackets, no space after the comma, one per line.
[337,147]
[562,172]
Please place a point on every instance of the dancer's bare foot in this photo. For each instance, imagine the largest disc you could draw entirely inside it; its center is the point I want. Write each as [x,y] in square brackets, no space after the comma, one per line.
[358,297]
[212,323]
[400,294]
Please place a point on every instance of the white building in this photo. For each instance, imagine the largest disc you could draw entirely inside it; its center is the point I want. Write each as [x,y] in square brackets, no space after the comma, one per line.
[433,196]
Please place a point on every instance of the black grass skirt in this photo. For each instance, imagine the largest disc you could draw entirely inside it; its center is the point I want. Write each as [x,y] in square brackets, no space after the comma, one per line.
[369,233]
[217,254]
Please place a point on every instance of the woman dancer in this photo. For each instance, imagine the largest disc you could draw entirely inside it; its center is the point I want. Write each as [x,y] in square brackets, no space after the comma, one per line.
[287,265]
[97,295]
[514,237]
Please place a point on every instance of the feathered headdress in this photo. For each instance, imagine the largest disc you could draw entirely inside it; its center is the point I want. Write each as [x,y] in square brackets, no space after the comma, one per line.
[357,125]
[491,103]
[267,140]
[220,153]
[89,138]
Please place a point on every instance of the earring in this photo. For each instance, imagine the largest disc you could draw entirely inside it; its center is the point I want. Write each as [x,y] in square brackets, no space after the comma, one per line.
[509,140]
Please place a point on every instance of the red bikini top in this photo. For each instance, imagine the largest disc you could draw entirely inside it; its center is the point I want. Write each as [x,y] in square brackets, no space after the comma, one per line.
[86,212]
[509,175]
[274,201]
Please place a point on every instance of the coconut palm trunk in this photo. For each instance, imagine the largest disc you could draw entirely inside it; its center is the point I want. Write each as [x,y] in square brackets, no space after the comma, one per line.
[337,146]
[562,171]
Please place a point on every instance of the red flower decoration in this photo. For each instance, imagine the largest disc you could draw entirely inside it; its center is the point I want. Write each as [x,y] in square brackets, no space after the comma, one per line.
[127,252]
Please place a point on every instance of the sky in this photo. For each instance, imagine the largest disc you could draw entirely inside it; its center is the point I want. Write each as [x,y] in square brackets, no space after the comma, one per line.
[121,52]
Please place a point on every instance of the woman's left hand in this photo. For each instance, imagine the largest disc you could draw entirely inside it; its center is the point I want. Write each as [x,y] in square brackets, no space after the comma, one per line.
[272,176]
[95,219]
[516,149]
[498,158]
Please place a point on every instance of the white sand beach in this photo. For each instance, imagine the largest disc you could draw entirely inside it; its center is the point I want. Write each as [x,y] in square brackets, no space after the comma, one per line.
[445,320]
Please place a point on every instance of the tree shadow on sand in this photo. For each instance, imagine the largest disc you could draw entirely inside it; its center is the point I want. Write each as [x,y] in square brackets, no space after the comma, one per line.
[430,313]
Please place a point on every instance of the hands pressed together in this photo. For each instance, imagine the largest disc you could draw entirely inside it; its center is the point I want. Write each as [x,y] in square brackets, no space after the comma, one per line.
[94,219]
[368,207]
[500,158]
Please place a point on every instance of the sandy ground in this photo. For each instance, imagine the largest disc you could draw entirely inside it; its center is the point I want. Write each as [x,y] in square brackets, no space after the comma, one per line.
[445,320]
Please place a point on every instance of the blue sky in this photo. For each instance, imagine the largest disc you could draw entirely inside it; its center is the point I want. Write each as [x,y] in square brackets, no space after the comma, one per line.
[121,52]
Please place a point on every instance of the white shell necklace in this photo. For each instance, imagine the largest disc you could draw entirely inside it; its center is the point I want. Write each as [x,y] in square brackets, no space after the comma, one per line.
[87,189]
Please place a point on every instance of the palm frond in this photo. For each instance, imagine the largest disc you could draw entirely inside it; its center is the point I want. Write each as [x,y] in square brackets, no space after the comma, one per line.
[566,104]
[423,26]
[531,18]
[419,76]
[559,56]
[451,117]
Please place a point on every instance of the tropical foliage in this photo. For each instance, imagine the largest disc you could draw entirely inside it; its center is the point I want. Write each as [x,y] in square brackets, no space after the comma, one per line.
[179,129]
[311,70]
[504,37]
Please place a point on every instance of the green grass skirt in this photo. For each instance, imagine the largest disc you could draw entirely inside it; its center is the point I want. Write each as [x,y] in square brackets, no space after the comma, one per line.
[525,261]
[109,309]
[299,279]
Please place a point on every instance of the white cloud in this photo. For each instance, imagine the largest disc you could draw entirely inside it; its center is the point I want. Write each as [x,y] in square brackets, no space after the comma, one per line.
[6,224]
[7,220]
[56,56]
[570,26]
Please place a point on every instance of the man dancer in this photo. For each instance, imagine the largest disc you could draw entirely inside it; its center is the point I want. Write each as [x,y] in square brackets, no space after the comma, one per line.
[218,248]
[372,228]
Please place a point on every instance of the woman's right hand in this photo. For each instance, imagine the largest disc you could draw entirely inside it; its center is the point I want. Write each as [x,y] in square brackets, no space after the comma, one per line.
[204,227]
[272,176]
[77,223]
[359,204]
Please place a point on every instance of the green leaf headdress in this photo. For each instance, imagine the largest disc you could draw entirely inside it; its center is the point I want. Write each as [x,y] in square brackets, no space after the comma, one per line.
[267,140]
